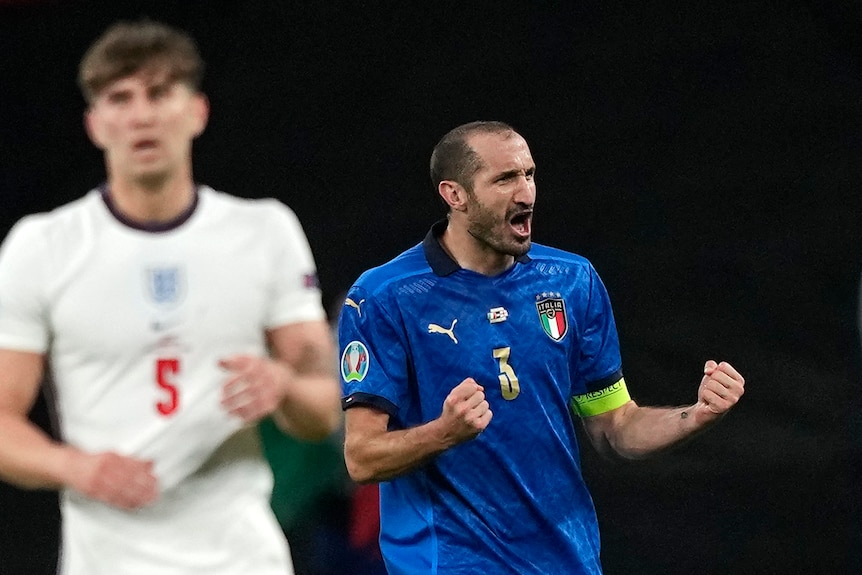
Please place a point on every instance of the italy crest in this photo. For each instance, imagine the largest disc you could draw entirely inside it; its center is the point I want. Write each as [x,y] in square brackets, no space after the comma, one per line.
[552,314]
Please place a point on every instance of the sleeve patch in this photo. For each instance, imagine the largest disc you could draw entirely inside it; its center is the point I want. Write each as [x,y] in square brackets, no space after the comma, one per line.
[601,401]
[354,361]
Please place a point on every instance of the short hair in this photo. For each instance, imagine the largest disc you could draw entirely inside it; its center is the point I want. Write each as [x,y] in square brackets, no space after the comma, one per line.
[127,47]
[454,159]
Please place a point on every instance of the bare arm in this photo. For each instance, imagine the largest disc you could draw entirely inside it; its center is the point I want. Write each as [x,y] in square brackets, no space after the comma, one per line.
[311,407]
[373,453]
[30,459]
[297,386]
[635,432]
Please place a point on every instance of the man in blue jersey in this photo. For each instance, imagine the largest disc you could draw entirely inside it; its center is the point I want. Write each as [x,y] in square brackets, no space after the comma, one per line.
[463,361]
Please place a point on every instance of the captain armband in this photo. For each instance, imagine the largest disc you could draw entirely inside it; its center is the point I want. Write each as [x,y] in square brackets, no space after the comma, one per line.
[601,401]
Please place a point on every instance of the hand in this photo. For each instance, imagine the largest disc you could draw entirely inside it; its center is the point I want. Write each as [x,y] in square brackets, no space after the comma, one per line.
[720,388]
[118,480]
[256,386]
[466,412]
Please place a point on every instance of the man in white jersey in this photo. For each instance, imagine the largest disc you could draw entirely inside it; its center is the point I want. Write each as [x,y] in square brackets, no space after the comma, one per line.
[171,318]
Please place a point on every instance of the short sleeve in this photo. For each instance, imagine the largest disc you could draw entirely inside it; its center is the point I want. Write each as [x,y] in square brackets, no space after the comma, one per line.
[24,258]
[374,359]
[296,293]
[599,362]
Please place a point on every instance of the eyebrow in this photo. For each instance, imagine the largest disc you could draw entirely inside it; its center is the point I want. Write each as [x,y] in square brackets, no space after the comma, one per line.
[512,173]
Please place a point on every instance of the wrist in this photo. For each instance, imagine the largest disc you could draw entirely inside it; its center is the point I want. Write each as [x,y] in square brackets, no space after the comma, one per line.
[439,436]
[64,463]
[702,415]
[283,374]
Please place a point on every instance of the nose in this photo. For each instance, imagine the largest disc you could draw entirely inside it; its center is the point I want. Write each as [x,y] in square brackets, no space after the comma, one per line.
[142,110]
[525,191]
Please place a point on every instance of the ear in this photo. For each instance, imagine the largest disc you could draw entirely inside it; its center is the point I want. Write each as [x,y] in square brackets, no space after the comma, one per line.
[91,124]
[453,194]
[201,114]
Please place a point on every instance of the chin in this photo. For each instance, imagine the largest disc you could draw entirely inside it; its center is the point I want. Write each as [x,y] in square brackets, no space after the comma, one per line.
[520,248]
[152,179]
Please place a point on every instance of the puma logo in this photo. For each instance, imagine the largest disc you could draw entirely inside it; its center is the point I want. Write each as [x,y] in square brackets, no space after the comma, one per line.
[351,303]
[450,331]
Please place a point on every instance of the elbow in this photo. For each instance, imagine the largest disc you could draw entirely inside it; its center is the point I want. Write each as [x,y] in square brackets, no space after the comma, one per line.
[613,450]
[358,470]
[633,454]
[629,452]
[360,475]
[612,454]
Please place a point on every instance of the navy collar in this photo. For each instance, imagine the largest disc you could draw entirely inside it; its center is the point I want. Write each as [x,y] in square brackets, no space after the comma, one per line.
[440,261]
[152,227]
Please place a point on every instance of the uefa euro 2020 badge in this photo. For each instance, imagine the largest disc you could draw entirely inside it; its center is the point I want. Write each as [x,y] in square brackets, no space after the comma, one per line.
[354,361]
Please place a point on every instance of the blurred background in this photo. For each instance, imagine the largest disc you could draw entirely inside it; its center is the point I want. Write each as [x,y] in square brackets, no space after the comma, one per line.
[704,156]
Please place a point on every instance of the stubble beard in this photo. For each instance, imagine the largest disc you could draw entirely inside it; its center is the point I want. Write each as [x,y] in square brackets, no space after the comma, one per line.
[493,232]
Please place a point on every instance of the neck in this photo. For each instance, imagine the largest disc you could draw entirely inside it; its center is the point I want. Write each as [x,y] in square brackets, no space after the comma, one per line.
[152,204]
[473,254]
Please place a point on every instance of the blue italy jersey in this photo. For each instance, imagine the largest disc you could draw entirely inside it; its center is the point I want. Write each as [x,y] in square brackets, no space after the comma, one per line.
[513,500]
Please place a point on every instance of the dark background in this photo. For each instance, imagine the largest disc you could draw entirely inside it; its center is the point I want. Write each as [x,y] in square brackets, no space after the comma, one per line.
[704,156]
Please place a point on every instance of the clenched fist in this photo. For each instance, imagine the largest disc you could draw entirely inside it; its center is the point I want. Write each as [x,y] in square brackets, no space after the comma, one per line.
[466,412]
[720,388]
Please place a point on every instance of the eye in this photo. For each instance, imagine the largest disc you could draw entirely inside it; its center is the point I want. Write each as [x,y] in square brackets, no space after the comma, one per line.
[117,97]
[506,176]
[159,92]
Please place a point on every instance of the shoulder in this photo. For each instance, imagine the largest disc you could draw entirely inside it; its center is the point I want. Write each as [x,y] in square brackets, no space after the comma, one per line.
[269,214]
[381,294]
[64,223]
[407,273]
[573,270]
[408,266]
[544,256]
[251,207]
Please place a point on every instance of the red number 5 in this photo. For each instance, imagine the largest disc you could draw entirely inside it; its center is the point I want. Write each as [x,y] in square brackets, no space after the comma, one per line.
[165,369]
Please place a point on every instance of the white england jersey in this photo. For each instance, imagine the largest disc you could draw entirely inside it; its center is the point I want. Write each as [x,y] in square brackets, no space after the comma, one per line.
[134,322]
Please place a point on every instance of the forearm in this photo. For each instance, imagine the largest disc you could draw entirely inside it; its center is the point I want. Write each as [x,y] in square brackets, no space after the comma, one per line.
[29,458]
[393,453]
[644,431]
[636,432]
[303,354]
[311,409]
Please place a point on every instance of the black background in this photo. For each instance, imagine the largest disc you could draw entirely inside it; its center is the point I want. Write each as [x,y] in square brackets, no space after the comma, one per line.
[704,156]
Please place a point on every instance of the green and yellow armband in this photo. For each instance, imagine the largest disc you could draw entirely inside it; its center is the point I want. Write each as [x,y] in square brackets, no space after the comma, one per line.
[601,401]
